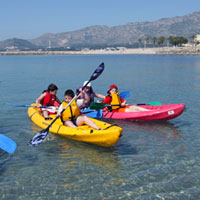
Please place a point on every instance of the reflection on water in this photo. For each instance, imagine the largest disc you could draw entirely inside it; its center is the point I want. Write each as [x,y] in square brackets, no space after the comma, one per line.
[157,133]
[102,160]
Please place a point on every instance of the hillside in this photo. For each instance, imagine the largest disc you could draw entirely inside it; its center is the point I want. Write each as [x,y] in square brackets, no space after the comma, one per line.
[124,35]
[104,36]
[17,44]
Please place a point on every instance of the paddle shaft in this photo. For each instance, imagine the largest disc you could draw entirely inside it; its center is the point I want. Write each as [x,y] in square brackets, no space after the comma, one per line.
[27,106]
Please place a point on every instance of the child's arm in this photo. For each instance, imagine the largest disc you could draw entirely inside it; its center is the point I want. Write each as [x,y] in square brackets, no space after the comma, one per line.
[123,104]
[60,109]
[39,99]
[100,96]
[87,98]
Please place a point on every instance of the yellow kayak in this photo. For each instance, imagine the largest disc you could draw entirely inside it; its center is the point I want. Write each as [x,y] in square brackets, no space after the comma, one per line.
[107,137]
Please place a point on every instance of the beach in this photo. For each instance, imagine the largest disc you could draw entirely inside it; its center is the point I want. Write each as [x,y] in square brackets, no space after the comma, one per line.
[192,50]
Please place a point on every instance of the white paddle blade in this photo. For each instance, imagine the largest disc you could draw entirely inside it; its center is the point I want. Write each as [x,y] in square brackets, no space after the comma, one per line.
[51,109]
[38,138]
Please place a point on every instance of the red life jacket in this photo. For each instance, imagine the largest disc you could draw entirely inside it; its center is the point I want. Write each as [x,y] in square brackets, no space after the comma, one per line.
[49,99]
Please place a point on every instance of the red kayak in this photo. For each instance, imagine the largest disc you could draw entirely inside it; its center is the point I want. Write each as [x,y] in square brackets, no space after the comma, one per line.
[157,112]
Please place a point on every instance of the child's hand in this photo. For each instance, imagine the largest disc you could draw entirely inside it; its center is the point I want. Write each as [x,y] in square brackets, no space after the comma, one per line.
[38,105]
[82,92]
[58,115]
[123,104]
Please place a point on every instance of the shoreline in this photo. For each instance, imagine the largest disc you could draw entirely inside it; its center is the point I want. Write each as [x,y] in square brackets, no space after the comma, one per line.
[126,51]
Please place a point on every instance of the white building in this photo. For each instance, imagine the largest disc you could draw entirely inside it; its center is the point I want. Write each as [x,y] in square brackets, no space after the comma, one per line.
[197,38]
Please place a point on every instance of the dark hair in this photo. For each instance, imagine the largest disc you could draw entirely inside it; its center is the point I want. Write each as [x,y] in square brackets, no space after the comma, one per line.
[52,87]
[69,93]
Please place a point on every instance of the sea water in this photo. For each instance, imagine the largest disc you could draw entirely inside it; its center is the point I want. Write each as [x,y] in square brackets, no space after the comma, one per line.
[152,160]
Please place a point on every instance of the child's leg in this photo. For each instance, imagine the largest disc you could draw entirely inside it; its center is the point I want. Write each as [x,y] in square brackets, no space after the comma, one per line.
[84,119]
[70,124]
[45,114]
[135,109]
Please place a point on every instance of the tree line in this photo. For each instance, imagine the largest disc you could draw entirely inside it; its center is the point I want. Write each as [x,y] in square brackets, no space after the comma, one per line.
[161,41]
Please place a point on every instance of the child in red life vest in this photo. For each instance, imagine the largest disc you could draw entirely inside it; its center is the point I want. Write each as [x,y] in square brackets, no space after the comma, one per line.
[117,102]
[71,116]
[48,98]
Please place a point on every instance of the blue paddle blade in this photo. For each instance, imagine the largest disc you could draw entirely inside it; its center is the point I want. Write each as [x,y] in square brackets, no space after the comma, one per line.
[93,113]
[7,144]
[124,95]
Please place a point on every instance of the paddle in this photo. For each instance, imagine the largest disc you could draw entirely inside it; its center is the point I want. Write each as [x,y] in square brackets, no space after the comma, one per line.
[93,113]
[125,94]
[153,103]
[98,106]
[27,106]
[48,108]
[39,137]
[7,144]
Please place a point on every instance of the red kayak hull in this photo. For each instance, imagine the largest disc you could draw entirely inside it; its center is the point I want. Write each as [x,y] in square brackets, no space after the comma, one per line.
[157,112]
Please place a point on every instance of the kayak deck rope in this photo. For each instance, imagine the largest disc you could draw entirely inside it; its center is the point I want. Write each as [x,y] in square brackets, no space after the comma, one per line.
[110,126]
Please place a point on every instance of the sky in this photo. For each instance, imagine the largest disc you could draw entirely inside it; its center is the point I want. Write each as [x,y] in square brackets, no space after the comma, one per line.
[28,19]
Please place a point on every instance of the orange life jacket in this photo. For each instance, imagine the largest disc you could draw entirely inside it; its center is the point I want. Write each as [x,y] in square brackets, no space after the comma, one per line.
[71,112]
[116,102]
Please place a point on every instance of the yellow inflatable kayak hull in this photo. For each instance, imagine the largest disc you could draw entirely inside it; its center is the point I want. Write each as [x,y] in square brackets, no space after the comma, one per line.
[107,138]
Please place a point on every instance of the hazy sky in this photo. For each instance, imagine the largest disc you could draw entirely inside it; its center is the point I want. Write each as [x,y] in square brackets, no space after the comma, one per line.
[27,19]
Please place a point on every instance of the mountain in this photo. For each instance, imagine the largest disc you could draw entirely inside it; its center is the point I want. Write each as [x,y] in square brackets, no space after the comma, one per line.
[123,35]
[17,44]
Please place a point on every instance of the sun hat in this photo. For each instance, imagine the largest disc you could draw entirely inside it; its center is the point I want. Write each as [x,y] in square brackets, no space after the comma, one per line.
[89,84]
[112,86]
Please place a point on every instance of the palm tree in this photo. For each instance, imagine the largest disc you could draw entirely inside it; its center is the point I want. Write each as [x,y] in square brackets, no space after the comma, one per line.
[161,40]
[193,37]
[154,40]
[147,40]
[140,41]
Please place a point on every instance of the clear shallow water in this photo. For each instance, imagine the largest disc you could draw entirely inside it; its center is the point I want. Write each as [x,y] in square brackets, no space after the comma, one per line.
[151,161]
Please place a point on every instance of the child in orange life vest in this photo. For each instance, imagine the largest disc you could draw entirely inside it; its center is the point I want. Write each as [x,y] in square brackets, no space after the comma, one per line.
[116,101]
[71,116]
[48,98]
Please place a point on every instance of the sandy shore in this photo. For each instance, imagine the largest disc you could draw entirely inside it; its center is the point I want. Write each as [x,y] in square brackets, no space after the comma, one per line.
[148,51]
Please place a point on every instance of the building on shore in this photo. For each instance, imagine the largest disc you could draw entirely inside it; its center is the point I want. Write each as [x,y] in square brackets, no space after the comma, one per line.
[197,38]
